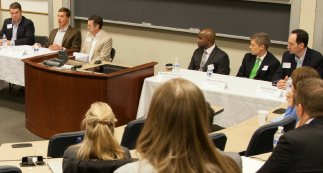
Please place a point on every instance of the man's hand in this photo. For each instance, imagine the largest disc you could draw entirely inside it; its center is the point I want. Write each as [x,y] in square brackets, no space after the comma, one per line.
[8,42]
[290,98]
[0,42]
[55,47]
[282,83]
[38,44]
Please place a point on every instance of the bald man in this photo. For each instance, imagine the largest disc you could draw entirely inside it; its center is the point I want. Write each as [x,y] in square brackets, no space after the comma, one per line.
[208,54]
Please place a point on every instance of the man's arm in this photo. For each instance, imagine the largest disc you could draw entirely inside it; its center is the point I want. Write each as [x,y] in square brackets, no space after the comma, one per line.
[105,51]
[281,160]
[241,72]
[192,63]
[224,65]
[28,38]
[272,70]
[77,41]
[319,66]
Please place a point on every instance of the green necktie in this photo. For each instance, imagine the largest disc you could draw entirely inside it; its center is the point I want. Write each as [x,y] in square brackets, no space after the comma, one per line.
[255,69]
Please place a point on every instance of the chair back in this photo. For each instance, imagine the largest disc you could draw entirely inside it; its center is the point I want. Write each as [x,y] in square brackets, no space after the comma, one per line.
[262,140]
[41,39]
[60,142]
[131,133]
[219,140]
[113,53]
[83,166]
[9,169]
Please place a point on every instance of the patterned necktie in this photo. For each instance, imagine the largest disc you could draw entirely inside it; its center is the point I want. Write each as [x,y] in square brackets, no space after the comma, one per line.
[255,69]
[203,61]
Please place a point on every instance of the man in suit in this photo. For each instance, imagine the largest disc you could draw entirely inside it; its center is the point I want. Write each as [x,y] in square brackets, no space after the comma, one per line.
[259,64]
[18,28]
[209,54]
[298,55]
[98,43]
[64,37]
[300,150]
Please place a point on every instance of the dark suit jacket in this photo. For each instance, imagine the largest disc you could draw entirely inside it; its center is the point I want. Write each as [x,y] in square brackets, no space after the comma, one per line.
[25,32]
[312,58]
[299,150]
[218,58]
[249,61]
[71,40]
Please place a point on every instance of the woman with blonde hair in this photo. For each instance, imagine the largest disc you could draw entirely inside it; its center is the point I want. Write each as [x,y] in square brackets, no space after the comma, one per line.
[175,135]
[99,143]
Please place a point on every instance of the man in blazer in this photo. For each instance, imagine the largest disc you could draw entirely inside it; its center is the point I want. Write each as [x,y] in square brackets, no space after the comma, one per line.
[209,54]
[267,62]
[300,150]
[64,37]
[98,43]
[298,55]
[18,27]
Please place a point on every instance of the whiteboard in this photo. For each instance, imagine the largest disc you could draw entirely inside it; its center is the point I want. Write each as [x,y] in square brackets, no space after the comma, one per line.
[36,6]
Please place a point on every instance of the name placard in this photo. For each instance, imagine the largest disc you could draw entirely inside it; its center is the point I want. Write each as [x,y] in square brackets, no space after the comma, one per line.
[214,84]
[163,76]
[272,92]
[15,52]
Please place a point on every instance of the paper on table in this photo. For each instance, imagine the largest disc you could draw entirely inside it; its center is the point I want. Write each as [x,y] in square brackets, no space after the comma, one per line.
[81,57]
[250,165]
[56,167]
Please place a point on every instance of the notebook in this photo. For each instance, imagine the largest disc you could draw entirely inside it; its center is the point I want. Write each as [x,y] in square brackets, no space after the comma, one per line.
[56,167]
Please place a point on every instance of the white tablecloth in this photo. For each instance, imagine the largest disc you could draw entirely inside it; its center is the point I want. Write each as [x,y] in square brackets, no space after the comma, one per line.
[238,99]
[12,68]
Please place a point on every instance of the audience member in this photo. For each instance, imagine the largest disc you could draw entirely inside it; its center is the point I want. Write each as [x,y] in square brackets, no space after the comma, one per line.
[208,53]
[259,64]
[18,28]
[99,142]
[298,75]
[298,55]
[175,135]
[300,150]
[98,43]
[64,37]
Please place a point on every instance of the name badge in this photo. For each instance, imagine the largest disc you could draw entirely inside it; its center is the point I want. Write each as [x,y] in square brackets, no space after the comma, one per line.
[89,39]
[265,68]
[286,65]
[9,26]
[210,67]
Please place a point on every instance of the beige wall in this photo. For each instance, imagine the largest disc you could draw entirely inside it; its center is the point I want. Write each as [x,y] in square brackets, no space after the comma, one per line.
[307,18]
[136,45]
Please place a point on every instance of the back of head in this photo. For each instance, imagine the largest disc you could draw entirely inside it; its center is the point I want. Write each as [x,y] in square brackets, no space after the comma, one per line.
[261,39]
[309,94]
[99,142]
[15,5]
[302,73]
[97,20]
[175,136]
[302,36]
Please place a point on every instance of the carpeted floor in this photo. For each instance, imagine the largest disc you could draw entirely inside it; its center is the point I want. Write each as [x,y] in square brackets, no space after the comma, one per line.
[12,117]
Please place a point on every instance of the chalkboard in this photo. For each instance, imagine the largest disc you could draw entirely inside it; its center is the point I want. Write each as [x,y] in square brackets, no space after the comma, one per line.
[231,17]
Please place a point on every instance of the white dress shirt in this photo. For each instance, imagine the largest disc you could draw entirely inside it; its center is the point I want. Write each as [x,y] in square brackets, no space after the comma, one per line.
[261,59]
[60,35]
[14,30]
[94,40]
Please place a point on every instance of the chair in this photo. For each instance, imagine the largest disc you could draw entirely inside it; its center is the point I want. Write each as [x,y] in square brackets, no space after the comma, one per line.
[219,140]
[60,142]
[131,133]
[9,169]
[41,39]
[112,53]
[105,166]
[262,140]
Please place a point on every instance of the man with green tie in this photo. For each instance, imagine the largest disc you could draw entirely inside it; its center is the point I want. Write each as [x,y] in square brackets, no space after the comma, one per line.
[259,64]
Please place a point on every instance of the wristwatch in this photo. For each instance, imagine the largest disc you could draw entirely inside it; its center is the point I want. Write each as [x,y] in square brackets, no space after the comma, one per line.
[63,48]
[274,83]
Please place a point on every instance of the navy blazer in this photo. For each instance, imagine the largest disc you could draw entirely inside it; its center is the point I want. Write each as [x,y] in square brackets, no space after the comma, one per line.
[298,150]
[25,32]
[218,58]
[312,59]
[249,61]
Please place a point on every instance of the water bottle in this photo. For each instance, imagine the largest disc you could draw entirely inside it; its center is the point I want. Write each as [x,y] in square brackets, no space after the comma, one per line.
[12,43]
[4,40]
[277,135]
[79,140]
[209,72]
[36,50]
[289,84]
[176,67]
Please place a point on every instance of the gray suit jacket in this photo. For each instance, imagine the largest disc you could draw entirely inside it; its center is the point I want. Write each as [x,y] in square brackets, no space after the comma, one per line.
[218,58]
[102,47]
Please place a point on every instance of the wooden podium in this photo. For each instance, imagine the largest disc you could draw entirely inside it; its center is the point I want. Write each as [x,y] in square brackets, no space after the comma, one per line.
[57,100]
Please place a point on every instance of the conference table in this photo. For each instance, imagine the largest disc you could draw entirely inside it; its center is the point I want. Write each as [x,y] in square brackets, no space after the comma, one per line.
[11,66]
[238,98]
